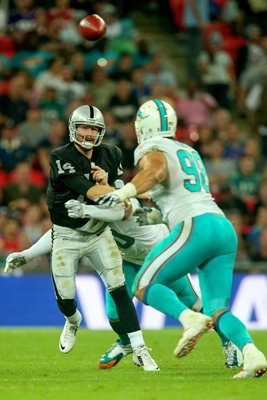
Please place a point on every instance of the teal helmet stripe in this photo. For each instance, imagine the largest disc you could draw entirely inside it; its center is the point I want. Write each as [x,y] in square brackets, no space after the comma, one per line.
[163,115]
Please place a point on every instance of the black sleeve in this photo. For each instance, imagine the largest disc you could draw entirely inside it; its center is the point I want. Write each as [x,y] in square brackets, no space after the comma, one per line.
[69,174]
[117,170]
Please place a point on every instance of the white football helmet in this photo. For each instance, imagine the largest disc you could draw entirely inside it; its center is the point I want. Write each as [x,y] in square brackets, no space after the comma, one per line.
[86,115]
[155,118]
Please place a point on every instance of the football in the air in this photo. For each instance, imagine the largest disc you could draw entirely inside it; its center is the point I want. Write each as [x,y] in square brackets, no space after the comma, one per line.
[92,27]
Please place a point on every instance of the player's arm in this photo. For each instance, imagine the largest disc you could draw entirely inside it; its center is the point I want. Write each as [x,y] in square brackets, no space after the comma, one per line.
[96,191]
[41,247]
[77,209]
[153,170]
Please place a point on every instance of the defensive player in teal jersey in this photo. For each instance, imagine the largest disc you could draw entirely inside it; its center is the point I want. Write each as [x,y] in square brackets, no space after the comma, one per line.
[201,237]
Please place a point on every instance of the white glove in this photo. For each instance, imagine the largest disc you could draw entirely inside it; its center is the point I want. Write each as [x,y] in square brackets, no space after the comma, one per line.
[14,260]
[109,200]
[148,216]
[118,196]
[76,209]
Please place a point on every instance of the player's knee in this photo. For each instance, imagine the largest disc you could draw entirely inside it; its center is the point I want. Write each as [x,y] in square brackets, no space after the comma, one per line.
[139,293]
[113,278]
[218,314]
[67,306]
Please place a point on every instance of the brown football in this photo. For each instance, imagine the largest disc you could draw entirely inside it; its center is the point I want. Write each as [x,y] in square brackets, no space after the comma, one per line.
[92,27]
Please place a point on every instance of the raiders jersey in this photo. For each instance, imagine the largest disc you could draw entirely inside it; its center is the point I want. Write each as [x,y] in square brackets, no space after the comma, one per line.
[70,178]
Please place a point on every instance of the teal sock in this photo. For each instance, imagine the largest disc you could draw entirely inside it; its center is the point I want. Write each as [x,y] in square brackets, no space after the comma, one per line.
[163,299]
[223,338]
[232,328]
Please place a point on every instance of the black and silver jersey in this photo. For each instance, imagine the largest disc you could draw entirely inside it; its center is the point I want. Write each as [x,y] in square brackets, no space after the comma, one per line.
[70,178]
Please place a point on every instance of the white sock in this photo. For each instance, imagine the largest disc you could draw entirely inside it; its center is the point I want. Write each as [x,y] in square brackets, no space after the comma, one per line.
[75,317]
[136,338]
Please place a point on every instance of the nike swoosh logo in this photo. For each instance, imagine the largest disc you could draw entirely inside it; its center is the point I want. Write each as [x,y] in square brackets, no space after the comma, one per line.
[63,347]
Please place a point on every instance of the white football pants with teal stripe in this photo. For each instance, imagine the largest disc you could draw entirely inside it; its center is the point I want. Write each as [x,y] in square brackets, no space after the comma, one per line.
[208,244]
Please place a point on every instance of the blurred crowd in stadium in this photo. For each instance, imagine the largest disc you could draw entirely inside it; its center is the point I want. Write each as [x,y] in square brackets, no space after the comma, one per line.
[47,69]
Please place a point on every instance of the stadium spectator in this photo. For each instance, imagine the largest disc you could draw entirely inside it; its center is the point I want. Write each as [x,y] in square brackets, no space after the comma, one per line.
[51,77]
[234,144]
[215,67]
[196,107]
[246,53]
[123,104]
[113,133]
[203,141]
[21,22]
[15,103]
[242,255]
[33,129]
[253,148]
[221,119]
[12,149]
[50,107]
[22,193]
[101,87]
[156,71]
[245,182]
[127,143]
[260,255]
[255,230]
[139,88]
[69,89]
[57,137]
[196,15]
[124,68]
[32,223]
[79,67]
[218,168]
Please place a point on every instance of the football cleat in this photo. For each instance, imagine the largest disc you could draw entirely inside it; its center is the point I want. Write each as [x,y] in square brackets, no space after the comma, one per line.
[255,363]
[142,358]
[68,335]
[198,325]
[13,261]
[114,354]
[233,356]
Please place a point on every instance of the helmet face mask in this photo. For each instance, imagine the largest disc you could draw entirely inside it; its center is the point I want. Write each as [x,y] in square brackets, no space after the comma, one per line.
[155,118]
[81,119]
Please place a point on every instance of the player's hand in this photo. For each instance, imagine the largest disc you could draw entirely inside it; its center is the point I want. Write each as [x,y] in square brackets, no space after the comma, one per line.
[109,200]
[13,261]
[99,175]
[75,209]
[148,216]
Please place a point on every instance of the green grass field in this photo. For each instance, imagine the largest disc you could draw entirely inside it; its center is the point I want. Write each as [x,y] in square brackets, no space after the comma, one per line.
[32,368]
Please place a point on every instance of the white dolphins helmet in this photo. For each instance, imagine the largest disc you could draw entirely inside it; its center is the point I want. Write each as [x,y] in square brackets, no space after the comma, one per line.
[86,115]
[155,118]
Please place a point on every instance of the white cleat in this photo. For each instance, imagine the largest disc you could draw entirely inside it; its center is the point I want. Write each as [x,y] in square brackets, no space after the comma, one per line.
[142,358]
[13,261]
[196,328]
[233,356]
[255,363]
[68,335]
